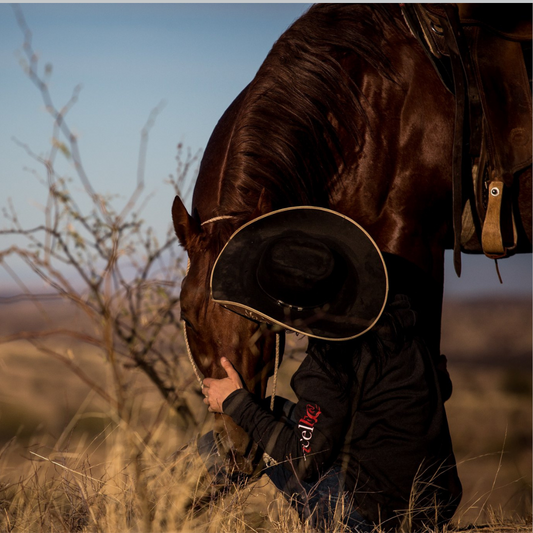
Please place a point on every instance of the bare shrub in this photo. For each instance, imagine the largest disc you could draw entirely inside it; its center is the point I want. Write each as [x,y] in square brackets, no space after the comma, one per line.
[106,261]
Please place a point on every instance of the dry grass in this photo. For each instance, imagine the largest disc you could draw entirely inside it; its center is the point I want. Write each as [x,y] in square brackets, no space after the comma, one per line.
[120,480]
[68,463]
[114,483]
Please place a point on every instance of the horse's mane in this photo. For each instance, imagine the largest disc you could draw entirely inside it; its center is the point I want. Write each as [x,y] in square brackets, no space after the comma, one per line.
[297,120]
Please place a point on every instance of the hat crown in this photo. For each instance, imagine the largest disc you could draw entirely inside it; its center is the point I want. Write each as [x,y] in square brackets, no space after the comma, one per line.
[300,271]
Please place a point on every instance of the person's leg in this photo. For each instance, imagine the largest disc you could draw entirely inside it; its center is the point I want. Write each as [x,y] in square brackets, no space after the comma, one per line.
[319,502]
[316,501]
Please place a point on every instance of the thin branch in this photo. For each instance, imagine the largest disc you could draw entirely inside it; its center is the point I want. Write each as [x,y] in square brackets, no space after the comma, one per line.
[57,115]
[142,159]
[29,296]
[23,286]
[131,312]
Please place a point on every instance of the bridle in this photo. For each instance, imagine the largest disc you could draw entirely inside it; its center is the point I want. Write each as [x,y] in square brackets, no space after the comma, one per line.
[188,347]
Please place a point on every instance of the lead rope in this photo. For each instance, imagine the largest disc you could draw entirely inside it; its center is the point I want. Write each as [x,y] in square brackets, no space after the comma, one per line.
[189,354]
[187,345]
[199,378]
[275,377]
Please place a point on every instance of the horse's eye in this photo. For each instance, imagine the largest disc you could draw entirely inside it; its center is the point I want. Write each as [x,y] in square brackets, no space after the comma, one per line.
[187,323]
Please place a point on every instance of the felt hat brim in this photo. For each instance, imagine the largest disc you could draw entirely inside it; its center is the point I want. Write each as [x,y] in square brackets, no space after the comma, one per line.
[351,312]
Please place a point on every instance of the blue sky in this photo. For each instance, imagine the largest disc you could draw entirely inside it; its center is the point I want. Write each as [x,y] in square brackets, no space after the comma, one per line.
[129,58]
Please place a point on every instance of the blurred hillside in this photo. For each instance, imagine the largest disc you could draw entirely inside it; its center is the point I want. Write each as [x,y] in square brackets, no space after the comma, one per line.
[488,331]
[489,350]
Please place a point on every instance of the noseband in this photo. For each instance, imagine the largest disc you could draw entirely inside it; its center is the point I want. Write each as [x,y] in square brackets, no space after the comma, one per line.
[187,345]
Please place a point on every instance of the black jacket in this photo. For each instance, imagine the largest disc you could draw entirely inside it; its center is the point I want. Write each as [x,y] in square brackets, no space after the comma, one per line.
[383,421]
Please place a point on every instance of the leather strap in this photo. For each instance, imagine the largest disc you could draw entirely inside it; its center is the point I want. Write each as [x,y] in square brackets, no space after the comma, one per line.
[491,237]
[428,33]
[456,48]
[506,99]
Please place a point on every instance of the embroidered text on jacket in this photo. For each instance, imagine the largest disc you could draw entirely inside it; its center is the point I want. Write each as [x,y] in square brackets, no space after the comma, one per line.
[307,426]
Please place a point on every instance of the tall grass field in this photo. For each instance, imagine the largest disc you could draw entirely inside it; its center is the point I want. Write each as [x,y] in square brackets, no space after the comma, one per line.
[69,463]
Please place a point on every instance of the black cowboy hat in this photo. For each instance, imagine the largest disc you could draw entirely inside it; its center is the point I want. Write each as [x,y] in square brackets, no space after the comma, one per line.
[308,269]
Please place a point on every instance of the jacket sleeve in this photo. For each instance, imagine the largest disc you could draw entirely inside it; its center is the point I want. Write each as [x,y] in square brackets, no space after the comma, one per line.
[309,442]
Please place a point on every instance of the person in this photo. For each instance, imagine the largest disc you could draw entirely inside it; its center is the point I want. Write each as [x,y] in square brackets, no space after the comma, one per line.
[369,431]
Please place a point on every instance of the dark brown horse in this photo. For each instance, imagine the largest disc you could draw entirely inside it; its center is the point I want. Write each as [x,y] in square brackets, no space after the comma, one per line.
[346,112]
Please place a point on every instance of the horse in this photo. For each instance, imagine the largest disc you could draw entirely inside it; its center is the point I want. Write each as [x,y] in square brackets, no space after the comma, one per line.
[346,112]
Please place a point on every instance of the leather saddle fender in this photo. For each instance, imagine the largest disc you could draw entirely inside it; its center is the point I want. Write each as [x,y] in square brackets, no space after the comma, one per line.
[478,51]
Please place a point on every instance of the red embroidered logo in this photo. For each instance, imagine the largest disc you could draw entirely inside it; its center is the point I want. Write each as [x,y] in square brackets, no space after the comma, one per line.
[307,426]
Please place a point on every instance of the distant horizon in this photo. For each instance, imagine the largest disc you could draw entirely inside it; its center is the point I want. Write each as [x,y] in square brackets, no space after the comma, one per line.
[474,266]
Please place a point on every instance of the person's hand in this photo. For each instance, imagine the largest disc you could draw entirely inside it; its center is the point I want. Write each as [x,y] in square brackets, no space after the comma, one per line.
[217,390]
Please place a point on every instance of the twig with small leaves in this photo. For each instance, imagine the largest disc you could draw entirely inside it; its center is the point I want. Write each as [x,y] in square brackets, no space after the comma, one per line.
[104,260]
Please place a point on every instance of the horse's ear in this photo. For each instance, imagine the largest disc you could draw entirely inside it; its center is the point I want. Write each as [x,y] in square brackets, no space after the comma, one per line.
[185,226]
[264,205]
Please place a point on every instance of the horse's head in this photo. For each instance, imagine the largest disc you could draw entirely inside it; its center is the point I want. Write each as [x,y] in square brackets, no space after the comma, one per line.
[214,332]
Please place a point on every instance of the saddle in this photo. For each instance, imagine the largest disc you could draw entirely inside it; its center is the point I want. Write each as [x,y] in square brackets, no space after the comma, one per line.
[482,54]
